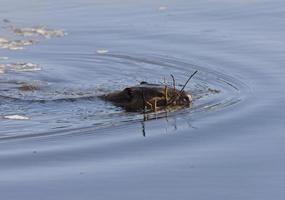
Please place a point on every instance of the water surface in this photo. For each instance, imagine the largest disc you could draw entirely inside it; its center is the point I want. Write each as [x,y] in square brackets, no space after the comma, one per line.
[72,145]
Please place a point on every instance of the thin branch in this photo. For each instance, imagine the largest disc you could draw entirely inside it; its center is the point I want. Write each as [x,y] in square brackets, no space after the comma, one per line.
[144,104]
[173,81]
[188,81]
[177,96]
[165,92]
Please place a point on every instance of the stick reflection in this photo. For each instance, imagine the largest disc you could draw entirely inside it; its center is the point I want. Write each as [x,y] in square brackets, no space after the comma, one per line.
[169,122]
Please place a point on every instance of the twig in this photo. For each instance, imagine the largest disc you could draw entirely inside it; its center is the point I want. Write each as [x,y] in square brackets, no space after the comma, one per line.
[173,81]
[144,109]
[187,82]
[165,91]
[165,94]
[177,96]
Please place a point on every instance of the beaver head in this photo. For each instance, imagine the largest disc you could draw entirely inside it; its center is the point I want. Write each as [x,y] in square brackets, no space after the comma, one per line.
[150,97]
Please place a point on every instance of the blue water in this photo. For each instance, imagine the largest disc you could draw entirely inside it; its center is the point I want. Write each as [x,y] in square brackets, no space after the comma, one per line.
[75,146]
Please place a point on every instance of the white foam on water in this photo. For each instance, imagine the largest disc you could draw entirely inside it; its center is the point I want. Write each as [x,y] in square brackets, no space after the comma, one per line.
[161,8]
[23,67]
[2,68]
[14,44]
[102,51]
[16,117]
[4,58]
[38,31]
[3,40]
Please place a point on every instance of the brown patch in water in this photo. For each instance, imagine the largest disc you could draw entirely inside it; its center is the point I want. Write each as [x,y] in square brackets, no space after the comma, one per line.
[28,87]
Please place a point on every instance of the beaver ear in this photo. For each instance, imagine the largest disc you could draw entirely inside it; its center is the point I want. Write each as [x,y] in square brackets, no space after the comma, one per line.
[143,83]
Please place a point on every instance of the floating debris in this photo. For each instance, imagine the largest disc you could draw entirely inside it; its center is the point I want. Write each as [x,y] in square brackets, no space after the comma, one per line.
[4,58]
[16,117]
[162,8]
[29,87]
[38,31]
[102,51]
[214,91]
[21,89]
[14,44]
[6,20]
[3,40]
[19,67]
[23,67]
[2,68]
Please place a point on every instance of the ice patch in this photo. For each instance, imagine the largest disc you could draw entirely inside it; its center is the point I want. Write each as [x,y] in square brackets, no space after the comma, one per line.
[14,44]
[2,68]
[4,58]
[102,51]
[38,31]
[16,117]
[24,67]
[3,40]
[162,8]
[19,67]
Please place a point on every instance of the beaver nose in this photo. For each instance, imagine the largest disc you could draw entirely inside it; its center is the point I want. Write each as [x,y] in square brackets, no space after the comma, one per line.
[189,97]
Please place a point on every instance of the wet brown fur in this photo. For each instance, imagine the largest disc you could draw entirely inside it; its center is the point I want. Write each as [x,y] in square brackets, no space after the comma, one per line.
[149,97]
[28,87]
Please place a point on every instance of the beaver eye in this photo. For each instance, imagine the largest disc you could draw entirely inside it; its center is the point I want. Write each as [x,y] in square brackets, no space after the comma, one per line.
[129,92]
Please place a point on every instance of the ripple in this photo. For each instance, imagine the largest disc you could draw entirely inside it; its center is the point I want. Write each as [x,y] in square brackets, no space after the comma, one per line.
[56,108]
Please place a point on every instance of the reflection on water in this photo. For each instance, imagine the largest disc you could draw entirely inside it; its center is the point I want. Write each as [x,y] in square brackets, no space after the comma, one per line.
[171,122]
[56,86]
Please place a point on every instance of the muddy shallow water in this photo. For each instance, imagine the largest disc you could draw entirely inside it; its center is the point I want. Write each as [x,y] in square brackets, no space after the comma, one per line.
[63,141]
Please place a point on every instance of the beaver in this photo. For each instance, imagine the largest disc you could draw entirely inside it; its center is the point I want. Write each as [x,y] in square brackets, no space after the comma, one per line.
[146,97]
[149,97]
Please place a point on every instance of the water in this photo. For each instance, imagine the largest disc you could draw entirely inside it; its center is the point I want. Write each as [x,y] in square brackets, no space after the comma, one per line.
[72,145]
